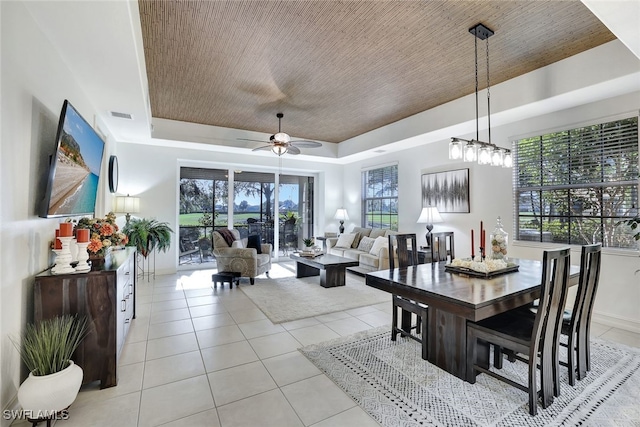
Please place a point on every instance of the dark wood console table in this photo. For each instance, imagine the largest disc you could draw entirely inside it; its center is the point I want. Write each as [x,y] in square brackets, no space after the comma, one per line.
[106,297]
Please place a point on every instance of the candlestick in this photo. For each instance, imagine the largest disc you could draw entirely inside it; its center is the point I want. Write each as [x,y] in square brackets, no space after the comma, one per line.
[82,235]
[473,251]
[66,229]
[83,256]
[57,244]
[63,257]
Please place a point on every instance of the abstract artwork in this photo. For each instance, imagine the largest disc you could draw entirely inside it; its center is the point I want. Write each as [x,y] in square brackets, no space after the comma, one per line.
[448,191]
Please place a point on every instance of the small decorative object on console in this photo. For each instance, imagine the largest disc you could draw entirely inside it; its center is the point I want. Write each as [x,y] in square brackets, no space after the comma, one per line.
[499,239]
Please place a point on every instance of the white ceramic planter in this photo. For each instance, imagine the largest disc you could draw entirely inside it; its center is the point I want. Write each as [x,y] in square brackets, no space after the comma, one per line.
[49,393]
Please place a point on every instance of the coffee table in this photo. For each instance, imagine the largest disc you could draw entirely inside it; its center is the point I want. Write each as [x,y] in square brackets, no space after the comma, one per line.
[330,268]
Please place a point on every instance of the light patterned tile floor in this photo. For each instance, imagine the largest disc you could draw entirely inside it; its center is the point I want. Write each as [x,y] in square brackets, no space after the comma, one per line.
[197,356]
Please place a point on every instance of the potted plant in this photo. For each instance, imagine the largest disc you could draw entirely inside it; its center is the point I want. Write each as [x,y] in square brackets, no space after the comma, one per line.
[308,242]
[54,380]
[148,234]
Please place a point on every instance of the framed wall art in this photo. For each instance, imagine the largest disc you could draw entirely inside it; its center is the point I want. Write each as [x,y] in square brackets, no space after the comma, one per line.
[448,191]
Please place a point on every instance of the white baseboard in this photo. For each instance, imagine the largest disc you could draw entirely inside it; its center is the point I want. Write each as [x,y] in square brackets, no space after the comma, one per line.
[627,324]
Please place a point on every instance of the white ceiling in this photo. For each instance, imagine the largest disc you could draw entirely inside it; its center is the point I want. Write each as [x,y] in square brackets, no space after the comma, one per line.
[101,42]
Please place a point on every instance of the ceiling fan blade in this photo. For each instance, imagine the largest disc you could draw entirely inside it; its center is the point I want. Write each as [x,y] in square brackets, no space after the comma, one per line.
[264,147]
[253,140]
[293,150]
[306,144]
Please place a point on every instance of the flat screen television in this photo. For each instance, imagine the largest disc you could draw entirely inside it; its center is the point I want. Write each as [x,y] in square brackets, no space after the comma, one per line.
[74,169]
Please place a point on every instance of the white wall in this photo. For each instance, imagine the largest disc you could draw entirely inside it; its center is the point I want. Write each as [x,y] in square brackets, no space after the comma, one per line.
[152,173]
[34,83]
[491,196]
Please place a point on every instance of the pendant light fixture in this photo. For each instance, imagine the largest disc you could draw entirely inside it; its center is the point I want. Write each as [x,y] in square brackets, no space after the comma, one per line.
[485,153]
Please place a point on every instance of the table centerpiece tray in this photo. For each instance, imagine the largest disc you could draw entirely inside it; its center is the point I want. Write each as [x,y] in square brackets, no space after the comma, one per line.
[511,267]
[309,254]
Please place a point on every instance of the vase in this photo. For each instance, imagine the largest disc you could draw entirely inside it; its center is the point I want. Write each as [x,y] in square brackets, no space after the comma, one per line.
[499,240]
[47,394]
[97,262]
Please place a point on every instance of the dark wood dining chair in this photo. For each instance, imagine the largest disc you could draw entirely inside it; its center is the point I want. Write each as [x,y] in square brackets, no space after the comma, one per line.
[539,340]
[576,323]
[578,328]
[399,243]
[442,248]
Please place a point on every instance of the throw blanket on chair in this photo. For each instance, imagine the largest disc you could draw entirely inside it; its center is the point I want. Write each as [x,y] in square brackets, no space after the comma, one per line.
[227,235]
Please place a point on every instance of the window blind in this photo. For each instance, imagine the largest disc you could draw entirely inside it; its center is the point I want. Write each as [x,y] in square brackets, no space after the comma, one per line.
[574,186]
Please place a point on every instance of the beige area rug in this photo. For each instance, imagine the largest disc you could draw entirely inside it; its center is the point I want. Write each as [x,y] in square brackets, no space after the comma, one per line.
[283,298]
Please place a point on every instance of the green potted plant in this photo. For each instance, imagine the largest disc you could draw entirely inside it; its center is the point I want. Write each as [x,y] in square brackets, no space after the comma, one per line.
[148,234]
[54,380]
[308,242]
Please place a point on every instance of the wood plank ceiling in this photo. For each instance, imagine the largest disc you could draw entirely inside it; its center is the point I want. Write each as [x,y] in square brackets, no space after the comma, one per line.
[337,69]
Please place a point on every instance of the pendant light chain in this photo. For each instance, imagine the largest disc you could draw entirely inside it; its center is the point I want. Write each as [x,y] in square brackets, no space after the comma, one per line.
[485,152]
[488,92]
[476,56]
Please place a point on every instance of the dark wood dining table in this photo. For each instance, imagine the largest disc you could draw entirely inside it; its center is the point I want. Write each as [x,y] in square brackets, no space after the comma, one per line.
[454,299]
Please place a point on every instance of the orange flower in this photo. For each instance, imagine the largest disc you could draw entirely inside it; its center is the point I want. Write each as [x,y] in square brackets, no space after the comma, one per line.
[106,229]
[94,245]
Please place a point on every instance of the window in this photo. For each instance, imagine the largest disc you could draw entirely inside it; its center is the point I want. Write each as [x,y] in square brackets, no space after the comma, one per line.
[380,198]
[574,186]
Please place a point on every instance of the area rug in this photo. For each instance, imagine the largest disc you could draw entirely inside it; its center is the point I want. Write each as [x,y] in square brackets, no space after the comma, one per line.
[396,387]
[283,299]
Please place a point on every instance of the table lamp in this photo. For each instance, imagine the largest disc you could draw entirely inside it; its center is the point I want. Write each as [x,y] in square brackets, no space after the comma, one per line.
[128,205]
[429,216]
[342,216]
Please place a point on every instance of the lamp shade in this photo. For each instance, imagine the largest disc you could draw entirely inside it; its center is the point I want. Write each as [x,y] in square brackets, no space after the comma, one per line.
[127,204]
[429,215]
[341,215]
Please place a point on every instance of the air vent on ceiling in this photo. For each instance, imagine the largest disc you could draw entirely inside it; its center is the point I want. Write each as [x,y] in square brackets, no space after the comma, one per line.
[380,151]
[126,116]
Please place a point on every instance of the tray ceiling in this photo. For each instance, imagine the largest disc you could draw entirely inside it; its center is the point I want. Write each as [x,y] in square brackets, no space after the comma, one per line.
[338,69]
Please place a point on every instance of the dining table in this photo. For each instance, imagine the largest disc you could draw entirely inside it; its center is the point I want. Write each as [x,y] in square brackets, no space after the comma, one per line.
[455,299]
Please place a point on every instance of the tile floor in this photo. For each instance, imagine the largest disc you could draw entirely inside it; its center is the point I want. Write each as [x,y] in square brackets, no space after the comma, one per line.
[201,357]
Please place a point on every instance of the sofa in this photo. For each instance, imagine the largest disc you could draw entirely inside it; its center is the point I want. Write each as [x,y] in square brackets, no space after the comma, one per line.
[239,256]
[369,246]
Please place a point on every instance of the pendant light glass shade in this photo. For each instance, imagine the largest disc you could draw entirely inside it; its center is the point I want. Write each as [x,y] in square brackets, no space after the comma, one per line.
[497,157]
[484,155]
[455,150]
[507,160]
[470,152]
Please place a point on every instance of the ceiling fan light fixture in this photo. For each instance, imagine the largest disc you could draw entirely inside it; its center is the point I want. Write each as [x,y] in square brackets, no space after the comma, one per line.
[282,137]
[279,149]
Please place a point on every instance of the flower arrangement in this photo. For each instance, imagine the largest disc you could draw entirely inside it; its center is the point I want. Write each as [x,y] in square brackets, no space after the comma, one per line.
[104,234]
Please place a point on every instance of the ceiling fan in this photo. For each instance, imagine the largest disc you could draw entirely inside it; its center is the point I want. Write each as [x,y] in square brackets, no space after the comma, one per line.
[281,143]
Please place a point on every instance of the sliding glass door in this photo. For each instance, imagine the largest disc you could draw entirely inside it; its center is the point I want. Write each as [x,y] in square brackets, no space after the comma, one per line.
[278,208]
[204,195]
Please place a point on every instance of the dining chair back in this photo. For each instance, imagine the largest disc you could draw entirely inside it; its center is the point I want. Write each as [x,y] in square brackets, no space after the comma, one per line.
[577,328]
[407,257]
[442,247]
[538,339]
[404,256]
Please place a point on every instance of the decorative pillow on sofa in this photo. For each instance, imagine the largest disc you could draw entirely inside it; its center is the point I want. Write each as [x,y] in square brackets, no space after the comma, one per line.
[255,242]
[360,233]
[366,243]
[345,240]
[379,243]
